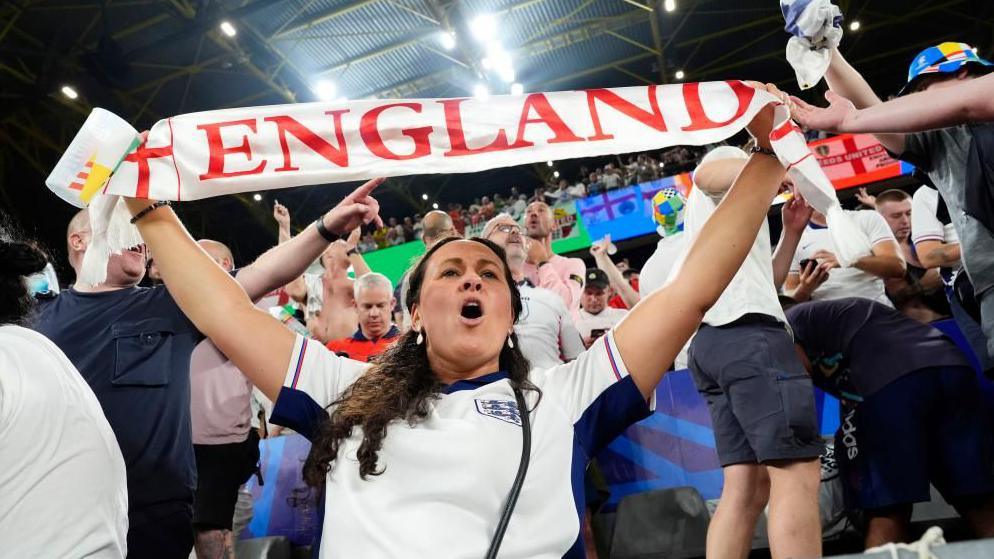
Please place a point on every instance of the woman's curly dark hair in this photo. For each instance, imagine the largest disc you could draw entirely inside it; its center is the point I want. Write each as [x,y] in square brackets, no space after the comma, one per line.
[17,260]
[398,386]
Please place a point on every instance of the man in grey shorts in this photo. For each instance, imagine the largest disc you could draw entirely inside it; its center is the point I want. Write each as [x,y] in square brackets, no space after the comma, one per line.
[761,400]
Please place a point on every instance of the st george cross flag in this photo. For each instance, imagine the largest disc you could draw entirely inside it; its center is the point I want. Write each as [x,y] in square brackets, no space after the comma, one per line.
[214,153]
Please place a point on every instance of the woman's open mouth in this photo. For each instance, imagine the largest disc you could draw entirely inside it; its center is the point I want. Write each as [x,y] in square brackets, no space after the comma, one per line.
[471,312]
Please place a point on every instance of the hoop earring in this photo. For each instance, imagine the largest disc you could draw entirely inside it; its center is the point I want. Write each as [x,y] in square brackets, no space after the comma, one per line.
[420,339]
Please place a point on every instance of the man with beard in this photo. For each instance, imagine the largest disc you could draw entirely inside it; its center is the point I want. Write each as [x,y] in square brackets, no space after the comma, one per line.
[563,276]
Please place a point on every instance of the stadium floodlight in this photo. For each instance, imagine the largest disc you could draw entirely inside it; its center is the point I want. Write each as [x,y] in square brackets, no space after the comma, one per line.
[325,90]
[854,25]
[679,74]
[548,163]
[435,206]
[424,197]
[257,197]
[484,27]
[517,89]
[447,40]
[669,5]
[69,92]
[481,92]
[228,29]
[556,174]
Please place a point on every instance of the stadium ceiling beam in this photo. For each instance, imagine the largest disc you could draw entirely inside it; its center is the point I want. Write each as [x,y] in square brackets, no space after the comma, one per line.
[633,42]
[197,29]
[376,53]
[658,43]
[639,4]
[730,30]
[582,33]
[596,69]
[464,59]
[328,16]
[534,48]
[18,11]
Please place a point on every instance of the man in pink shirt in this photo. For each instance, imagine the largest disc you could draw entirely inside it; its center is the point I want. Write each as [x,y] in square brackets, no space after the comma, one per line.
[224,444]
[563,276]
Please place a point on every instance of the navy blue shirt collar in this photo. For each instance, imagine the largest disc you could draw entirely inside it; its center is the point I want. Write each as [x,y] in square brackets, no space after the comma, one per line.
[393,332]
[474,383]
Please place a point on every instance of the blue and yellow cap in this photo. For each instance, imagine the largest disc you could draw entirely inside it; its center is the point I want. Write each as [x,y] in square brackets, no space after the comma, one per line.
[943,58]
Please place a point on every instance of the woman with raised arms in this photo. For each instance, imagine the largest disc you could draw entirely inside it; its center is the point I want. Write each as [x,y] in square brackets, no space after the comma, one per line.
[447,440]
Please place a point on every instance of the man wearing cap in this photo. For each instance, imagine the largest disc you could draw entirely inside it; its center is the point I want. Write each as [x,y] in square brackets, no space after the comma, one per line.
[595,317]
[944,88]
[761,401]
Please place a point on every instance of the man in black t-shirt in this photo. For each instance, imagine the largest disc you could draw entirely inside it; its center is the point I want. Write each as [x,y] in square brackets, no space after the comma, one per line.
[912,413]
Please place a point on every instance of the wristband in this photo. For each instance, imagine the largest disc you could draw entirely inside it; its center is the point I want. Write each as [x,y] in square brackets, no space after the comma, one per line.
[764,151]
[149,210]
[325,232]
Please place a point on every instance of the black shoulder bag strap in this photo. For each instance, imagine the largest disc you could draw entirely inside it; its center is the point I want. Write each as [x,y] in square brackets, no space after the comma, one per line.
[519,479]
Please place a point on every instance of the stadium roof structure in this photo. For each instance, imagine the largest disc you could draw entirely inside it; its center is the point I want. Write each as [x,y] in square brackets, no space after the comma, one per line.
[149,59]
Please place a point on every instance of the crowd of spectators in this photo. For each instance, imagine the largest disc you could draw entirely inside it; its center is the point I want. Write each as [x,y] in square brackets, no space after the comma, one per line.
[589,180]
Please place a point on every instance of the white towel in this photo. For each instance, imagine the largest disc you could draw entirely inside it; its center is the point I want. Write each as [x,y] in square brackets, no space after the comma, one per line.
[816,26]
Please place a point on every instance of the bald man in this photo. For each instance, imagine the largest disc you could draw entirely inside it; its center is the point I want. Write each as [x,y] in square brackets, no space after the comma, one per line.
[133,347]
[437,226]
[563,276]
[225,446]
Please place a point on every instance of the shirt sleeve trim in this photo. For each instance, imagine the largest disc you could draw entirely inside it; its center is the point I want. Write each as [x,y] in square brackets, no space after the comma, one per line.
[299,366]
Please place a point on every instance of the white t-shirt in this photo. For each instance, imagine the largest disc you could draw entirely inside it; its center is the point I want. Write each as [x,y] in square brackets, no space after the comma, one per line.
[925,225]
[63,490]
[846,282]
[604,320]
[545,330]
[445,479]
[656,271]
[751,289]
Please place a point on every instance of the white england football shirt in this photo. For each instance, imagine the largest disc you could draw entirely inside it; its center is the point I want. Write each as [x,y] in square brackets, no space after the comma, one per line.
[925,224]
[63,490]
[545,329]
[846,282]
[445,479]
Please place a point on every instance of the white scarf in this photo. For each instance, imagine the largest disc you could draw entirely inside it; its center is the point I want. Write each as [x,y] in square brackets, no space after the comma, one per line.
[214,153]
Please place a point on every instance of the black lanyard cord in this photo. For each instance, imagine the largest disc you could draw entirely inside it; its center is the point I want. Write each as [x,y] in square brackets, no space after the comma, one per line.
[512,497]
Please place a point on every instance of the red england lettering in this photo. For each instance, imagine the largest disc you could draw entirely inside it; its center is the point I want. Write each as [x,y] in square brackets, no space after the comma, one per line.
[288,125]
[457,137]
[699,120]
[547,116]
[652,117]
[370,132]
[218,151]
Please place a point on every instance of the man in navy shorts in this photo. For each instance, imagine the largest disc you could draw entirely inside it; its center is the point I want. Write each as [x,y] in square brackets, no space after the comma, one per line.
[912,413]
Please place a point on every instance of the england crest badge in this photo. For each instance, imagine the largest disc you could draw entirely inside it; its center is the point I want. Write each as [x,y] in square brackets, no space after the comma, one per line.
[503,410]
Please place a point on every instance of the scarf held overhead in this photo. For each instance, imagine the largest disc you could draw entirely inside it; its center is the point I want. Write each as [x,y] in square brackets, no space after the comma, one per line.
[214,153]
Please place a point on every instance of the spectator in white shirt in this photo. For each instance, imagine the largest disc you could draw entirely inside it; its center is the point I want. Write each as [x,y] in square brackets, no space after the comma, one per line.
[865,278]
[63,490]
[595,317]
